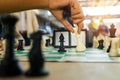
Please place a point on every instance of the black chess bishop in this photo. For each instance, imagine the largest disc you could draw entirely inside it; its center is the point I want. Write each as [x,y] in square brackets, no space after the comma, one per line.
[61,47]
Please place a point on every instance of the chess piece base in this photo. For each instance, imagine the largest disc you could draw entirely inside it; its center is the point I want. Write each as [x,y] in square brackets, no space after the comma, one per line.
[21,49]
[10,68]
[114,53]
[112,36]
[62,51]
[42,72]
[83,48]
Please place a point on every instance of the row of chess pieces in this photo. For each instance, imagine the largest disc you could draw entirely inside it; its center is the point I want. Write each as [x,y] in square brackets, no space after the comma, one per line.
[110,44]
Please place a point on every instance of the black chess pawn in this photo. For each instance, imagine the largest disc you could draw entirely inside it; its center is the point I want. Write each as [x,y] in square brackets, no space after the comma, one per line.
[20,45]
[35,56]
[100,44]
[47,42]
[61,47]
[9,64]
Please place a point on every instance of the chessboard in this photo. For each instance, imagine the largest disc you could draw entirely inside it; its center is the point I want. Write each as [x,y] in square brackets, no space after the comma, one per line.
[52,54]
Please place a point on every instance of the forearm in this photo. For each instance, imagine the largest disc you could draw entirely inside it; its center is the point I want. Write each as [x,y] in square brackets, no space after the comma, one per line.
[7,6]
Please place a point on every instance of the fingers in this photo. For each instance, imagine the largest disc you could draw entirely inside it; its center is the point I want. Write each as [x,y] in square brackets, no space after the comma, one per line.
[80,26]
[77,14]
[59,15]
[67,25]
[78,19]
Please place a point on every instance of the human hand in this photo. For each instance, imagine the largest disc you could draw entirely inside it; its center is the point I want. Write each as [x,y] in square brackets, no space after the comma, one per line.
[56,8]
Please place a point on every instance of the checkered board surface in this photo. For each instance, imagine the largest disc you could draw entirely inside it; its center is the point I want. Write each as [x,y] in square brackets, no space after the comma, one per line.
[52,54]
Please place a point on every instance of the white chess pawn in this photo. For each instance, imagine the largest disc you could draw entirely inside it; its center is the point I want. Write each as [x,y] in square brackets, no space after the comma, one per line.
[43,42]
[114,47]
[95,42]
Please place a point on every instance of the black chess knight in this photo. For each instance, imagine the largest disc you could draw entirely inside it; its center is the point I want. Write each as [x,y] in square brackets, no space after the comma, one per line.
[9,64]
[62,47]
[36,59]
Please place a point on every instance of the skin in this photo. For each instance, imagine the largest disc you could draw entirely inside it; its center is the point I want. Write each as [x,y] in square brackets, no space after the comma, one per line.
[55,6]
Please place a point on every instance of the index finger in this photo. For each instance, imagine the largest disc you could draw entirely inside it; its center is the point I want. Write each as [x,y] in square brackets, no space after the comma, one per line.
[67,25]
[80,26]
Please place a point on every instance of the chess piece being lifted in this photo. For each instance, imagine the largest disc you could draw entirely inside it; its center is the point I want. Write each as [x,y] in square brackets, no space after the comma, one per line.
[112,30]
[35,56]
[80,45]
[9,65]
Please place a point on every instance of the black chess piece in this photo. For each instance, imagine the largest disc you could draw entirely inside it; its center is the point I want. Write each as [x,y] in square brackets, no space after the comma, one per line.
[108,50]
[9,64]
[0,29]
[67,15]
[20,45]
[112,30]
[47,42]
[100,44]
[61,48]
[35,57]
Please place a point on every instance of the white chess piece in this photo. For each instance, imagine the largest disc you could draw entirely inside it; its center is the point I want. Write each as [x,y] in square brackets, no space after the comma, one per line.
[100,36]
[43,42]
[80,46]
[119,39]
[114,47]
[95,42]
